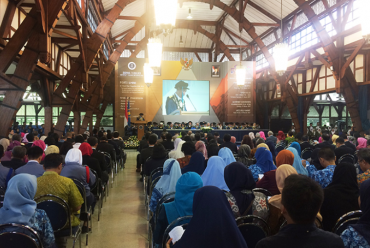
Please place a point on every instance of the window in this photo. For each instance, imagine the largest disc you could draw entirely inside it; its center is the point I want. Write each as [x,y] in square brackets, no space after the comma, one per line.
[261,61]
[354,16]
[31,113]
[92,18]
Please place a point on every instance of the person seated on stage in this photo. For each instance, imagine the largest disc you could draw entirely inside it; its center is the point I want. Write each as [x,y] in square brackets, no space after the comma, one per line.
[176,125]
[140,117]
[176,102]
[155,126]
[161,125]
[219,126]
[197,125]
[213,125]
[169,125]
[189,125]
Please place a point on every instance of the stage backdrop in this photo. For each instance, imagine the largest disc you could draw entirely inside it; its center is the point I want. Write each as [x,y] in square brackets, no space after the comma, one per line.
[209,83]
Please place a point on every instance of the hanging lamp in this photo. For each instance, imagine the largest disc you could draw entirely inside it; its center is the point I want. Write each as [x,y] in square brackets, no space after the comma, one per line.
[281,50]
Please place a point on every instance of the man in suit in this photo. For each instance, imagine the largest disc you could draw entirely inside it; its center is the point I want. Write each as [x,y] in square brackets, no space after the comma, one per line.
[114,144]
[18,156]
[33,167]
[326,143]
[104,146]
[342,149]
[147,152]
[93,142]
[305,144]
[227,143]
[271,137]
[30,139]
[347,143]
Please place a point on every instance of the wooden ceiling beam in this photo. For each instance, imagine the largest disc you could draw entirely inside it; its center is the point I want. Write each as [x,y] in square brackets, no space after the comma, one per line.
[131,18]
[260,24]
[263,11]
[235,35]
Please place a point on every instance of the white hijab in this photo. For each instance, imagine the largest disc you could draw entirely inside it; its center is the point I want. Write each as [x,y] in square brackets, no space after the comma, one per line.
[74,156]
[178,153]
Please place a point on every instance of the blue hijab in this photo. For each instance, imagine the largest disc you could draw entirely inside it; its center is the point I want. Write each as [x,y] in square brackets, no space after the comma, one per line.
[214,173]
[297,164]
[196,164]
[264,160]
[19,206]
[226,154]
[297,146]
[186,186]
[171,173]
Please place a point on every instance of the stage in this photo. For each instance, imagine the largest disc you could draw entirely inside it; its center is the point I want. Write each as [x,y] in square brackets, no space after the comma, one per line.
[238,134]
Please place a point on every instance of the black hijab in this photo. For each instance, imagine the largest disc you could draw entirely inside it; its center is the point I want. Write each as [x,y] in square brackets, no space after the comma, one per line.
[212,150]
[159,152]
[363,225]
[239,180]
[315,159]
[340,196]
[196,164]
[213,224]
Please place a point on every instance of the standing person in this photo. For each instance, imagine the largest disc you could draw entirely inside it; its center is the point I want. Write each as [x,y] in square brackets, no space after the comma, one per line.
[271,138]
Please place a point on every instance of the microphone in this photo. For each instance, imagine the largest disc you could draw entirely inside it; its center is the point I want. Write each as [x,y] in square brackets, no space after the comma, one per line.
[187,95]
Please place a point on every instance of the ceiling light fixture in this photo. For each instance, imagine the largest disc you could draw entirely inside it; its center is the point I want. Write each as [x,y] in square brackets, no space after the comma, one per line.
[165,14]
[148,74]
[155,51]
[364,17]
[189,16]
[281,50]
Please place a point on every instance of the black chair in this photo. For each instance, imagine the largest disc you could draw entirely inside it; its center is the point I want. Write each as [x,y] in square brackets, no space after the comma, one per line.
[2,196]
[16,235]
[317,223]
[279,148]
[112,165]
[306,153]
[263,191]
[347,158]
[253,229]
[60,217]
[182,221]
[96,188]
[85,212]
[152,186]
[346,220]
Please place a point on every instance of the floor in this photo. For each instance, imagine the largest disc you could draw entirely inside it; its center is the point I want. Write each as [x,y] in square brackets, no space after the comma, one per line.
[122,221]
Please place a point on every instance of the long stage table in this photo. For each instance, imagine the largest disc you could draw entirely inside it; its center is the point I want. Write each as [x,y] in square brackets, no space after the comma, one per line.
[237,133]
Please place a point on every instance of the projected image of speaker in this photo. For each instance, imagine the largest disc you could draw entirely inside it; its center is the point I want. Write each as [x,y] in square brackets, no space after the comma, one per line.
[185,97]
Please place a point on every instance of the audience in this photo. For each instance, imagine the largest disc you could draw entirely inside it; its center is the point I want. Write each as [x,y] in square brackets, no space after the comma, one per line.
[264,163]
[20,208]
[8,152]
[347,143]
[211,226]
[280,137]
[176,152]
[297,164]
[364,163]
[188,148]
[340,196]
[158,158]
[300,202]
[214,173]
[201,147]
[243,155]
[91,162]
[305,143]
[93,142]
[271,137]
[196,164]
[326,143]
[33,167]
[18,157]
[5,173]
[341,149]
[168,143]
[296,146]
[227,143]
[327,160]
[104,146]
[226,155]
[52,149]
[247,141]
[362,143]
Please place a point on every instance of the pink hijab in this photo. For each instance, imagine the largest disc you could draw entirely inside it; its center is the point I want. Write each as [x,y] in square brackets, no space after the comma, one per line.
[233,139]
[320,139]
[40,144]
[201,147]
[262,135]
[361,143]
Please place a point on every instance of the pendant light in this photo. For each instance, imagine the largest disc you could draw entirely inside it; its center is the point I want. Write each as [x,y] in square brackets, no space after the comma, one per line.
[155,51]
[240,70]
[148,74]
[165,14]
[281,50]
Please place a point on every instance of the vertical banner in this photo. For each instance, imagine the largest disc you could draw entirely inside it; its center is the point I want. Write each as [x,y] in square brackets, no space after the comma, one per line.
[240,99]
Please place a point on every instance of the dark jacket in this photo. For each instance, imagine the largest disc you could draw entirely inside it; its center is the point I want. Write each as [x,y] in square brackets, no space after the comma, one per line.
[119,143]
[168,145]
[143,144]
[93,163]
[305,145]
[350,145]
[153,164]
[325,144]
[100,157]
[14,163]
[116,147]
[342,150]
[106,147]
[271,138]
[145,154]
[231,146]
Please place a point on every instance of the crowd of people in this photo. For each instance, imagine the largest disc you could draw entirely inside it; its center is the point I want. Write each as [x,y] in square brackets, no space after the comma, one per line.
[215,181]
[32,167]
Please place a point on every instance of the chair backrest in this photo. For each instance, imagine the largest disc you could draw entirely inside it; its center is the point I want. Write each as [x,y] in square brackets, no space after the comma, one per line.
[57,210]
[347,218]
[182,221]
[340,229]
[318,223]
[97,182]
[2,196]
[253,229]
[82,190]
[152,185]
[169,197]
[154,174]
[108,158]
[348,158]
[16,235]
[306,153]
[279,148]
[263,191]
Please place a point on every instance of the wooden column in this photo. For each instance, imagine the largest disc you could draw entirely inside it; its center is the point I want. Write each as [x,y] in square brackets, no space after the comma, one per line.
[48,119]
[77,121]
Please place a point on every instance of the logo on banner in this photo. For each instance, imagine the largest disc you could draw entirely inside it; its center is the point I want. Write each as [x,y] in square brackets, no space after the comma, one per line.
[132,66]
[186,64]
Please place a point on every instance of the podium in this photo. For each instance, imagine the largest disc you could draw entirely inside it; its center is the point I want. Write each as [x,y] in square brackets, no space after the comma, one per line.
[140,125]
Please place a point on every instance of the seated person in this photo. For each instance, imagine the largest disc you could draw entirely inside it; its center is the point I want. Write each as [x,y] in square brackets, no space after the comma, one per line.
[104,146]
[326,143]
[227,143]
[327,160]
[305,143]
[33,167]
[91,162]
[20,208]
[17,158]
[264,163]
[5,173]
[358,235]
[226,154]
[188,148]
[168,143]
[364,163]
[300,203]
[93,142]
[52,183]
[180,207]
[157,159]
[342,149]
[243,155]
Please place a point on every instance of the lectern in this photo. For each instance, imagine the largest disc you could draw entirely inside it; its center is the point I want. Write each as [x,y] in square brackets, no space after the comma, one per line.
[140,125]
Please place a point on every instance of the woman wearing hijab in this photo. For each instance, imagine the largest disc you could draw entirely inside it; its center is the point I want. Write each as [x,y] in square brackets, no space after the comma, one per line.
[167,183]
[214,173]
[298,162]
[226,154]
[5,143]
[74,169]
[24,139]
[264,163]
[262,135]
[20,208]
[40,144]
[243,155]
[182,206]
[334,139]
[51,149]
[280,137]
[196,164]
[361,143]
[268,180]
[264,145]
[340,196]
[210,226]
[247,141]
[93,163]
[240,181]
[201,147]
[177,153]
[276,219]
[358,235]
[297,146]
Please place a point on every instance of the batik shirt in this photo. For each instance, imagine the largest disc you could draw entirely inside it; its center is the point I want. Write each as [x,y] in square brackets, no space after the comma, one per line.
[353,239]
[323,177]
[255,169]
[363,177]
